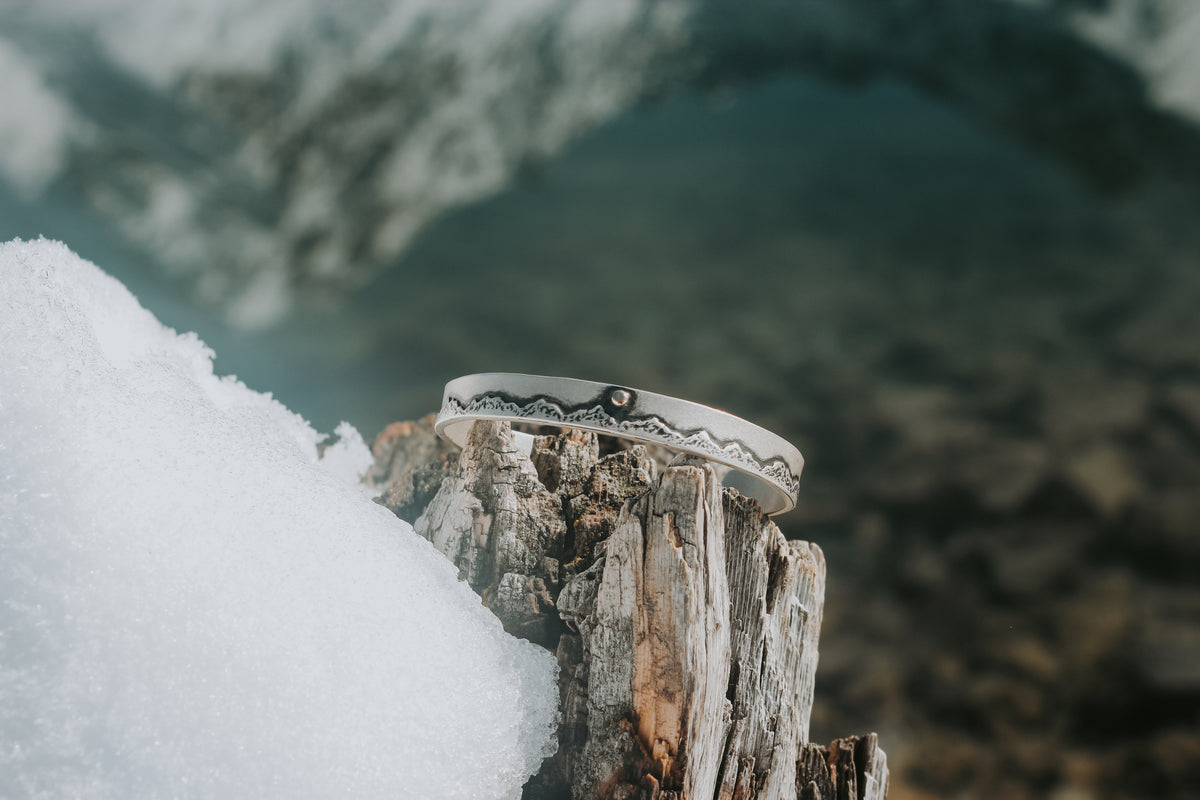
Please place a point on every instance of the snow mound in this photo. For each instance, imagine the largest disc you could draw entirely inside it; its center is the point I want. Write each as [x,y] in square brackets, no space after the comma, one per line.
[193,604]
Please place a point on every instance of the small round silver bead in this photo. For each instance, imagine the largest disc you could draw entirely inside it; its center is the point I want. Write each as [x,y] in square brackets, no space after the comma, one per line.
[620,398]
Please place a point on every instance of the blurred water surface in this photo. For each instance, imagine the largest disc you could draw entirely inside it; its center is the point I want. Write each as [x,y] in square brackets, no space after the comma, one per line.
[707,246]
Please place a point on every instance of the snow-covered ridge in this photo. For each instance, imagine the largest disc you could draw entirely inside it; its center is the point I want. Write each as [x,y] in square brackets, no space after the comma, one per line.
[1160,37]
[263,148]
[36,126]
[307,142]
[193,604]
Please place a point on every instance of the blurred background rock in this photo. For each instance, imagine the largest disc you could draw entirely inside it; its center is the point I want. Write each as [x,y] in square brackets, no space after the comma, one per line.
[949,248]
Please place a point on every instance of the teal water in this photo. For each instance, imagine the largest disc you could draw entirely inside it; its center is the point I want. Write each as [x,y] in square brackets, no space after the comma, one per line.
[704,247]
[743,251]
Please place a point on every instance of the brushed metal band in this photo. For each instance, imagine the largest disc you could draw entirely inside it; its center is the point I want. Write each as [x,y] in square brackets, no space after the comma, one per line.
[760,464]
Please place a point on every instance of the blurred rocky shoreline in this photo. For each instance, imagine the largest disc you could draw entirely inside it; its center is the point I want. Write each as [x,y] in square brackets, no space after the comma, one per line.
[1014,546]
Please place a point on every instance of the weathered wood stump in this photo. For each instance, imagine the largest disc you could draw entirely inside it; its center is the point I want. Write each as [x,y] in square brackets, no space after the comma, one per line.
[684,623]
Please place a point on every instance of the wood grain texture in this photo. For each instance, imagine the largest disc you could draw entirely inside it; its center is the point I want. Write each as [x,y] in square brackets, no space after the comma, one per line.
[778,590]
[853,767]
[685,625]
[656,642]
[493,518]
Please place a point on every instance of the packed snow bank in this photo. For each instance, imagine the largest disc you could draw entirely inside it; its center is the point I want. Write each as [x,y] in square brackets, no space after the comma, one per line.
[192,604]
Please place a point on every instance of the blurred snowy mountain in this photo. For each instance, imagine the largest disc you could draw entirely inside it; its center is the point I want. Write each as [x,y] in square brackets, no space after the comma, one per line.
[266,146]
[271,149]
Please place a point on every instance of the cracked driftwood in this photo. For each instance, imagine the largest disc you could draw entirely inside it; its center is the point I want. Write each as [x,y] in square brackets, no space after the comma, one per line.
[685,625]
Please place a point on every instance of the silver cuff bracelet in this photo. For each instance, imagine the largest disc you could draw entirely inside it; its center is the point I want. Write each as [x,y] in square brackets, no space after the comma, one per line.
[759,464]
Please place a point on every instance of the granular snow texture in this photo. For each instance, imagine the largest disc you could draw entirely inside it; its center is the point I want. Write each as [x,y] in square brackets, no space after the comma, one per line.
[193,604]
